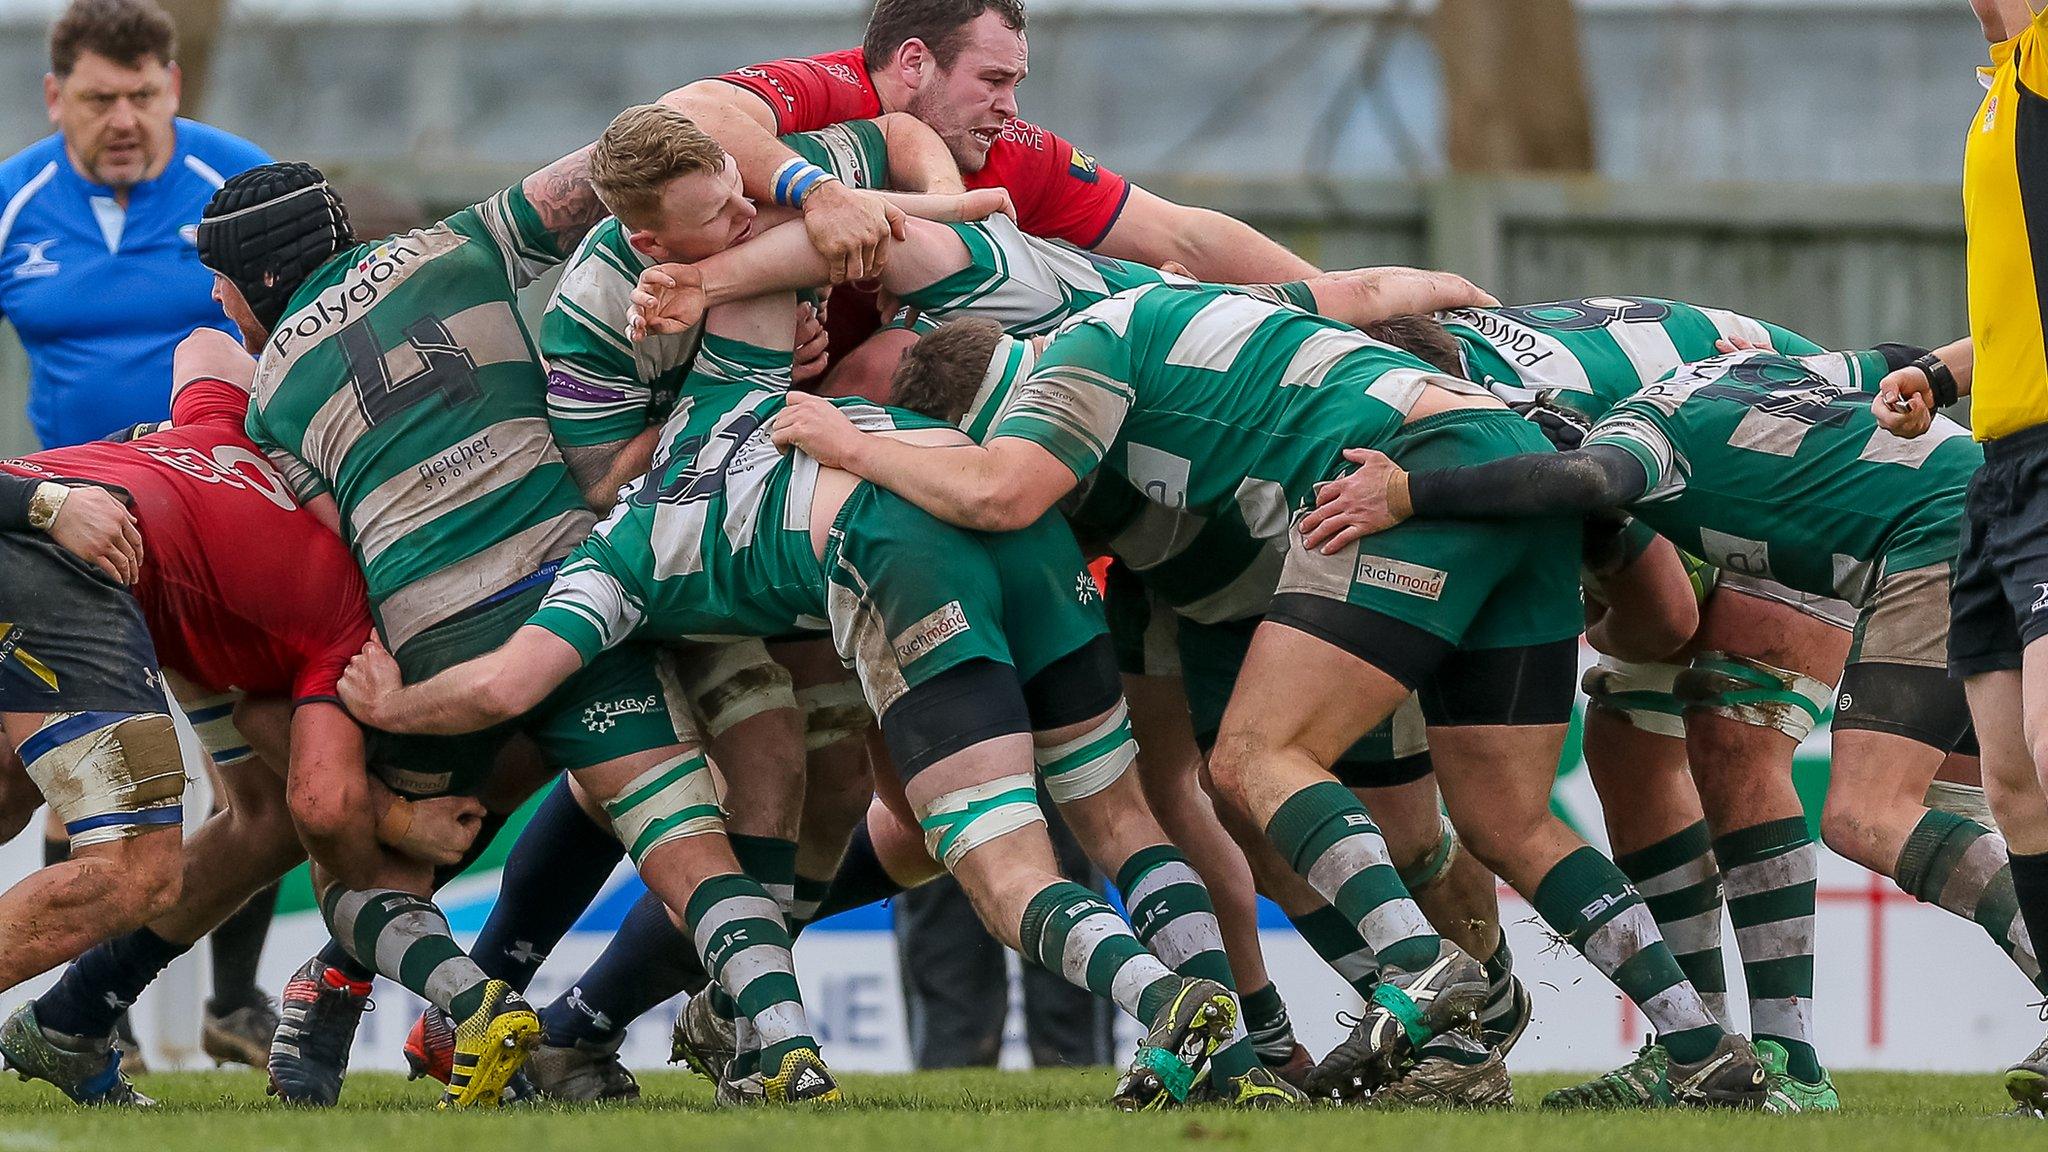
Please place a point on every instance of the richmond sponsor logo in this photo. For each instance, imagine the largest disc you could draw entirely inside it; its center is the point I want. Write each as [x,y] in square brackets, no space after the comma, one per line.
[921,638]
[1400,576]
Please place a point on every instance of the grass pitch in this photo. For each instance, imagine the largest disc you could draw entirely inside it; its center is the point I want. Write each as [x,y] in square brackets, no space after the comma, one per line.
[1060,1111]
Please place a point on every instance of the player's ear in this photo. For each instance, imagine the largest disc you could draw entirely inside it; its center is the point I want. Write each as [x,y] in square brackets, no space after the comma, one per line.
[52,89]
[645,243]
[176,87]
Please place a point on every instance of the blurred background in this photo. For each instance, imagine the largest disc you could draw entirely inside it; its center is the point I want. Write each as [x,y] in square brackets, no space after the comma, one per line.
[1797,160]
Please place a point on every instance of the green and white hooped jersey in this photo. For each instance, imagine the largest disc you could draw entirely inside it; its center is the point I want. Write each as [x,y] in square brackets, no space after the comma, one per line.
[1775,467]
[604,388]
[715,542]
[1221,410]
[403,382]
[1589,355]
[1031,285]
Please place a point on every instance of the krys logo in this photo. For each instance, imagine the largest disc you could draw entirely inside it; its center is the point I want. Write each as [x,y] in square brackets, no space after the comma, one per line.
[604,715]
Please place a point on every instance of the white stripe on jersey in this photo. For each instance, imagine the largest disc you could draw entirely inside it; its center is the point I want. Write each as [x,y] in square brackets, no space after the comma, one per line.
[20,199]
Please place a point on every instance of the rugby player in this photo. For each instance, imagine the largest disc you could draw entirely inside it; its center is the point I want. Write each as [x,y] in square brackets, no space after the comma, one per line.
[956,65]
[1774,466]
[982,657]
[400,395]
[1762,665]
[1282,394]
[606,399]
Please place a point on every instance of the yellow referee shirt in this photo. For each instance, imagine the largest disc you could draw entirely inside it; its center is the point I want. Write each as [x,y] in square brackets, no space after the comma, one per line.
[2005,203]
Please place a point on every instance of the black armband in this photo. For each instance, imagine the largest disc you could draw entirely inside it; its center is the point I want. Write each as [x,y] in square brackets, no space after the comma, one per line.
[1532,484]
[15,494]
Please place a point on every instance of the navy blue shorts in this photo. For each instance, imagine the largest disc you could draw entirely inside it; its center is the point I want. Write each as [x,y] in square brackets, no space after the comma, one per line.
[71,639]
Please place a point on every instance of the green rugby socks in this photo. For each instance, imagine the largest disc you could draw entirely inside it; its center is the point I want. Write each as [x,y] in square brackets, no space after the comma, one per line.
[1176,921]
[1681,885]
[1069,930]
[407,939]
[1327,837]
[1771,879]
[1962,866]
[740,934]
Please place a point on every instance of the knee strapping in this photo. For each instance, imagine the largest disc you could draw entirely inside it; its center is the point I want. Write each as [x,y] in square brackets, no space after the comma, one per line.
[958,822]
[1755,693]
[1965,800]
[1429,871]
[1090,762]
[729,684]
[108,775]
[674,799]
[1638,693]
[213,720]
[833,712]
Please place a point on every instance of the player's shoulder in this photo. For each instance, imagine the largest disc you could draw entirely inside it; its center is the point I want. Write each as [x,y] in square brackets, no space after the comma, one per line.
[219,150]
[29,165]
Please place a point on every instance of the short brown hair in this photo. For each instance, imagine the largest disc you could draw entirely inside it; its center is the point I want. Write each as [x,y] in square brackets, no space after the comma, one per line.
[941,24]
[940,374]
[123,31]
[641,150]
[1423,337]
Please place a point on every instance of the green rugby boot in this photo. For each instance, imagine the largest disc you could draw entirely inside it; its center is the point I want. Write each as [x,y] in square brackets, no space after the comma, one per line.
[1785,1093]
[1638,1084]
[87,1070]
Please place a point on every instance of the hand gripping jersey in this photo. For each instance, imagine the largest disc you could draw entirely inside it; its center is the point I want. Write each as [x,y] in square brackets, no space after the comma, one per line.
[402,382]
[604,388]
[1222,410]
[1589,355]
[1776,467]
[239,587]
[1060,191]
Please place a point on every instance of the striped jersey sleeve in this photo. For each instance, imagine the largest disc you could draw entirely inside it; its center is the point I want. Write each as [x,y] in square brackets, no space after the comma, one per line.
[1075,401]
[510,224]
[588,605]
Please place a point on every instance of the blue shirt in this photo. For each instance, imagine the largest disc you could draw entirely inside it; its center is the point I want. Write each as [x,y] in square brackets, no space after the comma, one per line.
[100,296]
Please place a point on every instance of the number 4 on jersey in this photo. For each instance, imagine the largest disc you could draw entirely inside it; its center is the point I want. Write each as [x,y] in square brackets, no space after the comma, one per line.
[446,369]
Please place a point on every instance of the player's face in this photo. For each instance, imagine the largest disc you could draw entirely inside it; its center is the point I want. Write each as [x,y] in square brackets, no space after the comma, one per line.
[233,303]
[702,214]
[116,119]
[968,104]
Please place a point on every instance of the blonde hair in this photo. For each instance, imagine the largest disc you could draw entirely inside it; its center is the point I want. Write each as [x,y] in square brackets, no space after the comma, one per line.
[641,150]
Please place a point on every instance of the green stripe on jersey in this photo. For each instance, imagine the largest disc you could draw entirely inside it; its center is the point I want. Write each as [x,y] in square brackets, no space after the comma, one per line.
[403,381]
[604,388]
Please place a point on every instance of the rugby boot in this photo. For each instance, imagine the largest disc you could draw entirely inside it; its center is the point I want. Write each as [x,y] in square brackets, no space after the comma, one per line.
[1728,1077]
[316,1027]
[702,1039]
[87,1070]
[1406,1010]
[490,1048]
[802,1079]
[1506,1016]
[1451,1070]
[241,1036]
[1296,1068]
[131,1048]
[1785,1093]
[581,1072]
[2027,1082]
[1640,1083]
[1174,1055]
[1262,1087]
[430,1046]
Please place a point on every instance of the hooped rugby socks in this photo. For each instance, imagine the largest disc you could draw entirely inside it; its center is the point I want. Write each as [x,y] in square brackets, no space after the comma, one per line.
[408,940]
[1337,941]
[1771,880]
[1961,866]
[1587,900]
[557,866]
[1176,921]
[1326,837]
[1680,883]
[1069,930]
[740,935]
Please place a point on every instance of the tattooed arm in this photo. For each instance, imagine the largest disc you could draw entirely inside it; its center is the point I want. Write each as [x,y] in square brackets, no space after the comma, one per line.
[600,470]
[562,194]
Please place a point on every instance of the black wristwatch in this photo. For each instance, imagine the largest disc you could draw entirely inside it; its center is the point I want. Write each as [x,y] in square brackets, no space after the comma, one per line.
[1938,375]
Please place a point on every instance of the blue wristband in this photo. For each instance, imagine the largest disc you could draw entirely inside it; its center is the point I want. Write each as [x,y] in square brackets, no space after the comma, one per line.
[795,179]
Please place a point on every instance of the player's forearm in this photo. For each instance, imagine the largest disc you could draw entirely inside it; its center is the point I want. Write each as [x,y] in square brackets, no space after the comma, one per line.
[961,485]
[1225,250]
[465,698]
[565,199]
[742,124]
[919,160]
[1961,358]
[1363,296]
[782,259]
[1532,484]
[600,470]
[16,494]
[328,791]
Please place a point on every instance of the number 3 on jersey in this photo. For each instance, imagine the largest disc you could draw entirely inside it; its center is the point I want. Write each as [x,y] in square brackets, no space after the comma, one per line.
[443,368]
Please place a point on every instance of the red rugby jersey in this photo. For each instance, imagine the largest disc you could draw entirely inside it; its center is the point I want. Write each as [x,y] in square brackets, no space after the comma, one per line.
[1059,190]
[240,587]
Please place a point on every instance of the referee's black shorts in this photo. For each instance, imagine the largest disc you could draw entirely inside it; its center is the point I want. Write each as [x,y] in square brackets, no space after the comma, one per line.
[1999,602]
